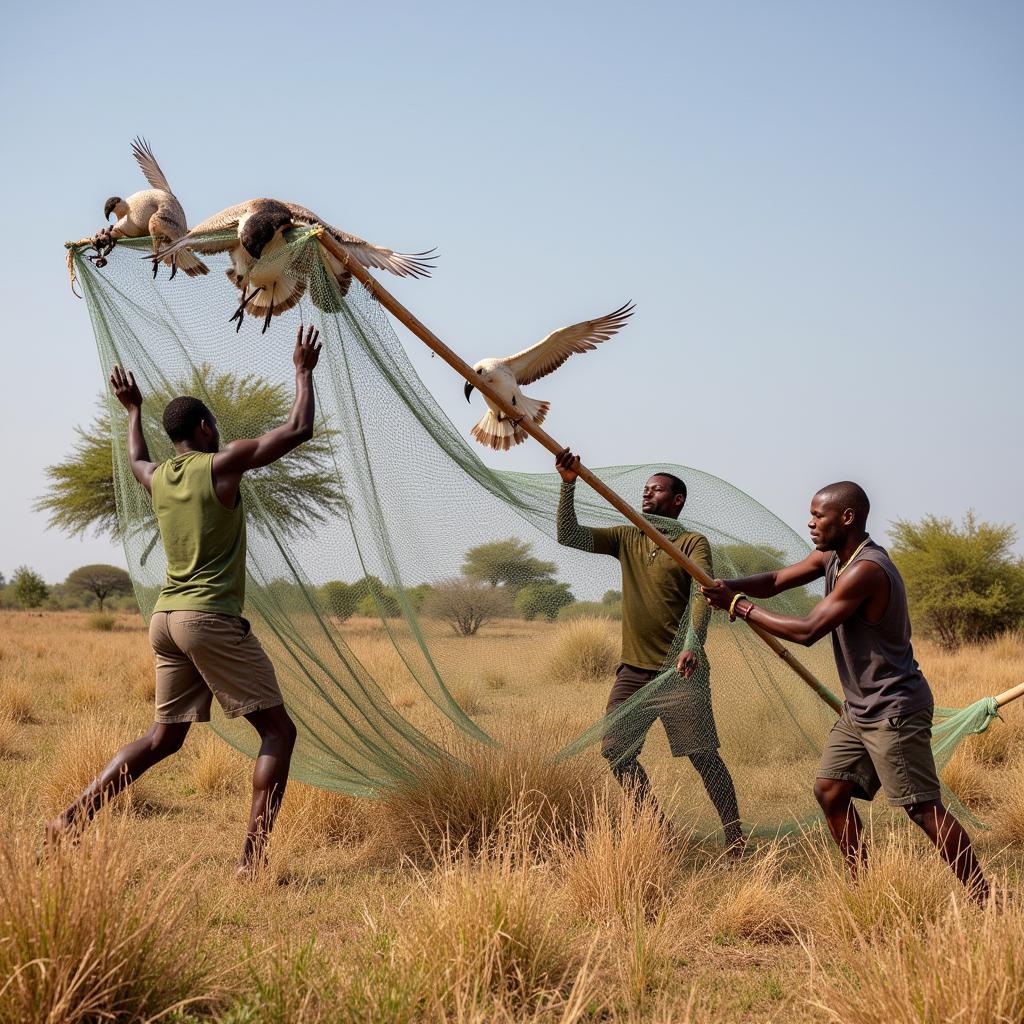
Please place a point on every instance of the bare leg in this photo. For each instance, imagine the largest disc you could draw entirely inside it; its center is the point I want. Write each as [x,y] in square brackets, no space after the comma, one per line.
[162,740]
[269,778]
[835,797]
[953,843]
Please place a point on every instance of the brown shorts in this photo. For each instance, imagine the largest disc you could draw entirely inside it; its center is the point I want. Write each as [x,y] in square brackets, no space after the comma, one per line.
[202,655]
[683,707]
[894,754]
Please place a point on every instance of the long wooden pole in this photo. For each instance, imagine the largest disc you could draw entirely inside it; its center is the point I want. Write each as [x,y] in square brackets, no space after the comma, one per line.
[1004,698]
[435,344]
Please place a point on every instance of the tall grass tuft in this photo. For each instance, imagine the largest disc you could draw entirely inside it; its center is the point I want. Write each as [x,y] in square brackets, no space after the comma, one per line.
[463,798]
[87,744]
[217,769]
[318,817]
[8,734]
[17,701]
[622,864]
[757,901]
[482,931]
[960,965]
[89,935]
[905,883]
[586,650]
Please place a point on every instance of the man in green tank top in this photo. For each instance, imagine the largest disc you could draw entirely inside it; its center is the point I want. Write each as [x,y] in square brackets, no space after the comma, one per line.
[202,645]
[882,738]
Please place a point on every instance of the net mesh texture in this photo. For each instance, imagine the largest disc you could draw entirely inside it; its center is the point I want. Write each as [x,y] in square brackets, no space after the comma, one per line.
[390,654]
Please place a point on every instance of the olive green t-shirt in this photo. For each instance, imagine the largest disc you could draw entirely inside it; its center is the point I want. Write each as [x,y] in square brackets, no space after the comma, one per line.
[204,541]
[655,589]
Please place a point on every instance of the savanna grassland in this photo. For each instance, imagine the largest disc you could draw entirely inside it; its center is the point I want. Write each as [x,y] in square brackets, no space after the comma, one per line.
[562,905]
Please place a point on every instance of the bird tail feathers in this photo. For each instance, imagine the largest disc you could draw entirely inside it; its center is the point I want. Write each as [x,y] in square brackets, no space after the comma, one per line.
[497,434]
[190,263]
[536,410]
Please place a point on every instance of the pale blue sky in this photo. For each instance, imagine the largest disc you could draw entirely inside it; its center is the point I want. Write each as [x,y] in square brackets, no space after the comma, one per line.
[817,208]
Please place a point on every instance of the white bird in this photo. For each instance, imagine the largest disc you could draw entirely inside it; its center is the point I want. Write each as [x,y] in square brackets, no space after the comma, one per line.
[155,212]
[495,429]
[252,231]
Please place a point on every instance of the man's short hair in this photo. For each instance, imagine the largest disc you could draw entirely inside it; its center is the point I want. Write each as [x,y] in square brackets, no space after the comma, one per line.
[182,416]
[849,495]
[678,487]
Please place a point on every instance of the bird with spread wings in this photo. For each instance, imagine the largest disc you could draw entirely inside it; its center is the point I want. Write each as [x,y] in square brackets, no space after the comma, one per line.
[253,231]
[155,212]
[505,375]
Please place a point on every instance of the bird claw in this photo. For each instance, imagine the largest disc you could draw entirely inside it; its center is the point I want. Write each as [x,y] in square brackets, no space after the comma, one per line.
[102,245]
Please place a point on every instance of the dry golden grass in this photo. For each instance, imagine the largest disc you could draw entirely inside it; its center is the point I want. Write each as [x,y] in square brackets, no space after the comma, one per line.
[89,935]
[958,964]
[86,745]
[465,797]
[8,734]
[217,769]
[497,886]
[17,702]
[585,649]
[624,863]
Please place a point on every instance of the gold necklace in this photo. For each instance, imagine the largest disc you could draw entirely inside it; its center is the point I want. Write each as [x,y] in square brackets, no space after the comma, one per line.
[860,547]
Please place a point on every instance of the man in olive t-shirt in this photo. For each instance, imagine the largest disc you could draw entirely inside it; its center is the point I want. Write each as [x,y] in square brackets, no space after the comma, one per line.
[202,645]
[656,632]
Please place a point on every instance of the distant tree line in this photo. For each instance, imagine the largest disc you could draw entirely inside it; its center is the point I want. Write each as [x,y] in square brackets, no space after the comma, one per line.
[965,584]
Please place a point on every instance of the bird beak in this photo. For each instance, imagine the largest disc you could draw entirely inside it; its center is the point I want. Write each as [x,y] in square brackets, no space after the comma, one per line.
[109,205]
[468,390]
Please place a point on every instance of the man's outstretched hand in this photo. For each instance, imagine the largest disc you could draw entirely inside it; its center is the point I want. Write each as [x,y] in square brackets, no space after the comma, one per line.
[122,383]
[306,352]
[566,463]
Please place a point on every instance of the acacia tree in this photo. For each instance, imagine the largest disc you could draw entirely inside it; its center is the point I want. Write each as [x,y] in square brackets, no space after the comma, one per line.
[99,580]
[292,495]
[506,562]
[963,583]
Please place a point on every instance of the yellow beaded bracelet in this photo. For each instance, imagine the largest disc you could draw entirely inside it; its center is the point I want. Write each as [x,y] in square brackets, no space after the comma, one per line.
[732,605]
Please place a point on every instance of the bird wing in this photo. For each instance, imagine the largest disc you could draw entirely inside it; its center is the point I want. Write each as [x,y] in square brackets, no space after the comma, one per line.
[193,240]
[376,257]
[147,162]
[541,359]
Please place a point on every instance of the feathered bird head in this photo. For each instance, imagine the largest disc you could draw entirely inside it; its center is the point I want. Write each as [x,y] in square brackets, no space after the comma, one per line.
[111,206]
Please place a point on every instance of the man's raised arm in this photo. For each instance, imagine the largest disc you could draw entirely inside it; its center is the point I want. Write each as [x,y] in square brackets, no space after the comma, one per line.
[127,392]
[254,453]
[570,532]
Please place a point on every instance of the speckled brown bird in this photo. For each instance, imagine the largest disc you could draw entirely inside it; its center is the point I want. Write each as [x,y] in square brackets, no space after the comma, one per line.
[155,212]
[252,231]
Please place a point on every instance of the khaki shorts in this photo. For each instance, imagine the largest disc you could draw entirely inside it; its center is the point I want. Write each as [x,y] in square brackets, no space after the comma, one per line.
[202,655]
[894,754]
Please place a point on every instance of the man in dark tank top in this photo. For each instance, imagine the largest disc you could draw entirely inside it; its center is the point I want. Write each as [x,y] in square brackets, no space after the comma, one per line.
[882,738]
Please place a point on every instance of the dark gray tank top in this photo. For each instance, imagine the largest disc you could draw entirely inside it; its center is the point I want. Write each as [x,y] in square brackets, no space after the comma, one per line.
[876,662]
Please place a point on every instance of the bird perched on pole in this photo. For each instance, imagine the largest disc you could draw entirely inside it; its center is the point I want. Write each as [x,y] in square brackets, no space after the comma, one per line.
[495,429]
[155,212]
[271,286]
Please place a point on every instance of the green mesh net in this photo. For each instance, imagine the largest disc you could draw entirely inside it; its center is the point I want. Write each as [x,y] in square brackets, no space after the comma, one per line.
[359,544]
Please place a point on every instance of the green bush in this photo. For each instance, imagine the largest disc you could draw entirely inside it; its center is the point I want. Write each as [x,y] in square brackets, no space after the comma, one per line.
[964,583]
[543,599]
[102,622]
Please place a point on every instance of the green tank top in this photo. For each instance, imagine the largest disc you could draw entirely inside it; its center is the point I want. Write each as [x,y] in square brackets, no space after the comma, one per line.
[204,541]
